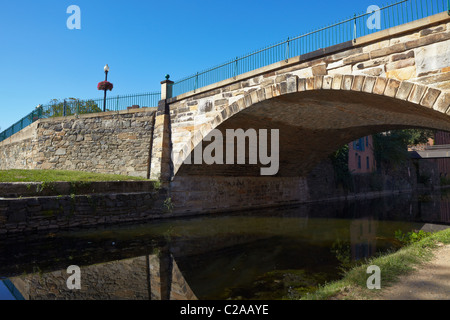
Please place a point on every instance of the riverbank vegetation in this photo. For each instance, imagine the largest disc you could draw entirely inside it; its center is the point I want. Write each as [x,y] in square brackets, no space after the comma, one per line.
[59,176]
[353,286]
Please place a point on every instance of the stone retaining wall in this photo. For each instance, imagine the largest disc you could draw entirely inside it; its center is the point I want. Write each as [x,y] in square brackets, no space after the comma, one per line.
[39,189]
[61,212]
[110,142]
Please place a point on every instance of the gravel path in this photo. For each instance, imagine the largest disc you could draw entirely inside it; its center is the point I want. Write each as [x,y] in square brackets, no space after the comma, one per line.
[430,282]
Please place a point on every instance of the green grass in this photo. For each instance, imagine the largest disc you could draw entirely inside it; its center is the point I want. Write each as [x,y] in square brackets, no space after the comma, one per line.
[58,176]
[353,285]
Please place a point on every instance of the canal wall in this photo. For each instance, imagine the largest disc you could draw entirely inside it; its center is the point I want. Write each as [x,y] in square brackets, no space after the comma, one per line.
[109,142]
[30,207]
[36,206]
[58,206]
[413,175]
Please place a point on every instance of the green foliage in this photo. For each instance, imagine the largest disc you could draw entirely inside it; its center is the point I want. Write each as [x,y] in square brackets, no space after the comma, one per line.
[391,148]
[393,265]
[339,159]
[418,136]
[445,181]
[157,184]
[411,237]
[343,252]
[48,176]
[73,106]
[168,205]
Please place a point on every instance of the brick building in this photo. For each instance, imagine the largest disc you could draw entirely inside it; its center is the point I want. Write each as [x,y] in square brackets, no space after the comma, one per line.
[443,138]
[361,157]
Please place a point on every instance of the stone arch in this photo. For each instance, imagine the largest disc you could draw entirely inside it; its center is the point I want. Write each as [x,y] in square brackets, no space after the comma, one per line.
[416,95]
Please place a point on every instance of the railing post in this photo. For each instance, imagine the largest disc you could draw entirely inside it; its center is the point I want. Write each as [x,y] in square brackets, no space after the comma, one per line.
[287,50]
[39,113]
[236,67]
[196,82]
[64,108]
[354,29]
[166,88]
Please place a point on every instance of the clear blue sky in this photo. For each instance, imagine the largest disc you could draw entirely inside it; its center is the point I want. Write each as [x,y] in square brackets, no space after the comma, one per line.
[41,59]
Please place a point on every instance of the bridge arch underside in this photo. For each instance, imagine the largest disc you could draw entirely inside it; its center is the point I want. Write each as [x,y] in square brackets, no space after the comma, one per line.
[312,125]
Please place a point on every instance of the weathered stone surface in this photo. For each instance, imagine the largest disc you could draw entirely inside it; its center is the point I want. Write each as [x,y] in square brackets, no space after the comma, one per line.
[430,97]
[373,71]
[443,103]
[347,82]
[402,74]
[319,70]
[399,47]
[399,64]
[404,90]
[327,82]
[369,83]
[337,82]
[380,86]
[417,93]
[392,88]
[440,57]
[356,58]
[358,83]
[402,56]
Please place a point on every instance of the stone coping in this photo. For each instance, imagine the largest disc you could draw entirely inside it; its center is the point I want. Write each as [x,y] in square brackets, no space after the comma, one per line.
[34,189]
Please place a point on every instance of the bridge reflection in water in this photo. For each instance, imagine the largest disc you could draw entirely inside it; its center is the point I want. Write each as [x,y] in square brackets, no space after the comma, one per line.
[150,277]
[249,255]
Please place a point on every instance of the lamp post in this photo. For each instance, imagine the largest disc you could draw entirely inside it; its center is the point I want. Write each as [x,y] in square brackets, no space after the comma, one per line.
[106,68]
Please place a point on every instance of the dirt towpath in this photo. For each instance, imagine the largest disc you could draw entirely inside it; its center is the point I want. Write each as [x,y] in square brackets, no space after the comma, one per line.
[430,281]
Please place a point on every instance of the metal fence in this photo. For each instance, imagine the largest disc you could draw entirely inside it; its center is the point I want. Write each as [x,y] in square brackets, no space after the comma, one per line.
[347,30]
[72,106]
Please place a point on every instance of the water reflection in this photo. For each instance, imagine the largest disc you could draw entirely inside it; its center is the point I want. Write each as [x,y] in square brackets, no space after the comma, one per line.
[264,254]
[150,277]
[363,238]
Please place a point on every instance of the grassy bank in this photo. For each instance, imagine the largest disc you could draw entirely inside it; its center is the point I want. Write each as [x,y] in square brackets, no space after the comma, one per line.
[58,176]
[353,285]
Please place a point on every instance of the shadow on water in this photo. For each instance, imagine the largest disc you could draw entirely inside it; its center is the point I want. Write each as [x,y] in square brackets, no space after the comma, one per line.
[264,254]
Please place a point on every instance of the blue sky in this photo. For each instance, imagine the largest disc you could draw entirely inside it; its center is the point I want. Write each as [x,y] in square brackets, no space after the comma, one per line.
[41,59]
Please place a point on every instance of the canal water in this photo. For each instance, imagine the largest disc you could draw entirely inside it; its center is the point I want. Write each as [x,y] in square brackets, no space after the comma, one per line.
[280,253]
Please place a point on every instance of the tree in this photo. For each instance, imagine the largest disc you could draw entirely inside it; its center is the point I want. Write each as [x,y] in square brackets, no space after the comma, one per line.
[73,106]
[339,159]
[391,148]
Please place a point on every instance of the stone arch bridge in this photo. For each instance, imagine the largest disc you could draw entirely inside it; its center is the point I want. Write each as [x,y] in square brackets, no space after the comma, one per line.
[392,79]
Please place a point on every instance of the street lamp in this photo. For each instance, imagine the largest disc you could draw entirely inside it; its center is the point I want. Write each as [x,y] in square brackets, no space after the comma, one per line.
[106,68]
[105,85]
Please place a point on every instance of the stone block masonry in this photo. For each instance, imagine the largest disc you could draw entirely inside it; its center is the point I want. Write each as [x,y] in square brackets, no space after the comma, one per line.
[68,211]
[111,142]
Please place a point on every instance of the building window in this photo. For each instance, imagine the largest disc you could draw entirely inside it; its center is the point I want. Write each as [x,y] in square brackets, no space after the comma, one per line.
[367,163]
[359,144]
[367,141]
[359,162]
